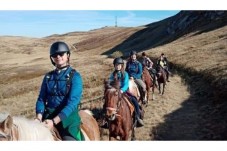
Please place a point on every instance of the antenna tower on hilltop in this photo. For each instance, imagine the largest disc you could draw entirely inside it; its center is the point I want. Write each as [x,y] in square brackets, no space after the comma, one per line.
[115,21]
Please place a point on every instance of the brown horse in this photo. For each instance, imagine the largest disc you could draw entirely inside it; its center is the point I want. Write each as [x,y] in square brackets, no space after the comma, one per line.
[118,113]
[146,77]
[20,128]
[161,79]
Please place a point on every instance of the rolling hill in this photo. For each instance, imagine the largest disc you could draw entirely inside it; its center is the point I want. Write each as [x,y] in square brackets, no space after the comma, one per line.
[195,42]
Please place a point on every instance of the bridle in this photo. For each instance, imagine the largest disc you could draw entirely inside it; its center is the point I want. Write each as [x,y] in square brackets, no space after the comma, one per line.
[113,109]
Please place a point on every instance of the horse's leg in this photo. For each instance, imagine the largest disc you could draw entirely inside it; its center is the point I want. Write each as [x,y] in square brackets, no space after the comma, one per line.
[163,88]
[152,89]
[159,87]
[125,136]
[147,93]
[133,137]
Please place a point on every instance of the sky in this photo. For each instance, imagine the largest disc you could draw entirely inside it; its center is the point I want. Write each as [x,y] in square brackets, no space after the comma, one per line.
[41,23]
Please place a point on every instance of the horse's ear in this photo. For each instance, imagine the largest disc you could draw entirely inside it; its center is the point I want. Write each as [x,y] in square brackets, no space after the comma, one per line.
[7,124]
[107,84]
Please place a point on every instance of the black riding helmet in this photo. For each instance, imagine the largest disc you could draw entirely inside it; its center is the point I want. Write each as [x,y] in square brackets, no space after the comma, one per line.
[118,61]
[133,53]
[58,47]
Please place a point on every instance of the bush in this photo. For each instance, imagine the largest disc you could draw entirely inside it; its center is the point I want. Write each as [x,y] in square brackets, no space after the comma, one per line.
[116,54]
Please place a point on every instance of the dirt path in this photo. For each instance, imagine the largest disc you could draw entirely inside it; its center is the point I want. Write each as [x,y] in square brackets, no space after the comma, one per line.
[173,116]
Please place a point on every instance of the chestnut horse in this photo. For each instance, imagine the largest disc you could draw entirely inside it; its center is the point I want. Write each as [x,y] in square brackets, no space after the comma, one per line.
[118,114]
[21,129]
[161,79]
[146,77]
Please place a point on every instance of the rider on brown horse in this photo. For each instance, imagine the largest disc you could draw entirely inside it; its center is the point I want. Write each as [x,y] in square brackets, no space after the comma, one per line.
[163,63]
[122,76]
[147,63]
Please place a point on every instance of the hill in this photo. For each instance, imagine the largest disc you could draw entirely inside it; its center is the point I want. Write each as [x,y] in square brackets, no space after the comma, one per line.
[194,106]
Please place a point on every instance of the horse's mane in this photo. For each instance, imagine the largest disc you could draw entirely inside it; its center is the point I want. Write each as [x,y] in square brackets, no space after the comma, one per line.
[29,129]
[112,84]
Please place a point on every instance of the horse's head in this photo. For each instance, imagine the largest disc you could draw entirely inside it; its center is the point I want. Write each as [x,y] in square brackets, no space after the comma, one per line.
[112,98]
[160,71]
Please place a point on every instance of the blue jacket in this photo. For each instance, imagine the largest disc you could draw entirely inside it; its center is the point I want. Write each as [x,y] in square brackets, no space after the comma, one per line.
[134,69]
[53,92]
[124,82]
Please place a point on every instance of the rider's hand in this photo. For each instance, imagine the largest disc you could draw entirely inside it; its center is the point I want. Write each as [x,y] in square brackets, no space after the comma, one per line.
[49,124]
[131,78]
[122,91]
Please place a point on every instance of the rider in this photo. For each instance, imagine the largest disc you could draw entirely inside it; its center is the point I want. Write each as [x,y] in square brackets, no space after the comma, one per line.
[149,65]
[120,74]
[57,103]
[163,62]
[134,69]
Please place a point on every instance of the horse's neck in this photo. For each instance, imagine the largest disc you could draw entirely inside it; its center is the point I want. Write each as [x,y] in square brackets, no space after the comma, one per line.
[31,130]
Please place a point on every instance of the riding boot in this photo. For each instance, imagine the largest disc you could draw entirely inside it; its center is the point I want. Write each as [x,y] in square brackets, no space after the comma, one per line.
[139,121]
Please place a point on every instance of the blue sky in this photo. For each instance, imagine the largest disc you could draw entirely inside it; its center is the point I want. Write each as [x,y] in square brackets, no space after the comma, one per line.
[39,23]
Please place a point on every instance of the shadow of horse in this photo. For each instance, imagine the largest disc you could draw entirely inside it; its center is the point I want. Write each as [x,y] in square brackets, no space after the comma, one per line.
[22,129]
[161,79]
[146,77]
[119,112]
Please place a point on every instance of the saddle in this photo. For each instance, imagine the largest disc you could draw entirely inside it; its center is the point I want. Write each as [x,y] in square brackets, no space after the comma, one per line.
[131,106]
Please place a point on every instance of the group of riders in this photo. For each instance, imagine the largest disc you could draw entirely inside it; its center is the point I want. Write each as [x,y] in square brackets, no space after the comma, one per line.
[61,89]
[133,71]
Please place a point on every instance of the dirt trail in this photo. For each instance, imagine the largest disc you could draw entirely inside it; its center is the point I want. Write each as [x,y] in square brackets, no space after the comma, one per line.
[173,116]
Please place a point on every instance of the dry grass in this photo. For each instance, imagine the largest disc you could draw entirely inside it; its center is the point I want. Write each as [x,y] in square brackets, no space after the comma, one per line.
[178,115]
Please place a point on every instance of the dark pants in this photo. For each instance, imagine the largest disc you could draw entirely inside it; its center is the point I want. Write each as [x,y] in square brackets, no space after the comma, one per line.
[136,105]
[167,72]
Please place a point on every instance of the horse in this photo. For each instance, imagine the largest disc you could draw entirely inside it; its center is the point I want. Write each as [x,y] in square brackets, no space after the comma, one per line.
[119,113]
[161,79]
[19,128]
[146,77]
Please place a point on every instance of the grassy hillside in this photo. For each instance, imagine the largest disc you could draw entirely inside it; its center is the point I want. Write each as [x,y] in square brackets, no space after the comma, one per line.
[194,42]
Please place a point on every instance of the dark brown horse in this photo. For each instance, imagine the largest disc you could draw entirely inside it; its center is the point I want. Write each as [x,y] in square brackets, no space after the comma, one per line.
[146,77]
[118,113]
[161,79]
